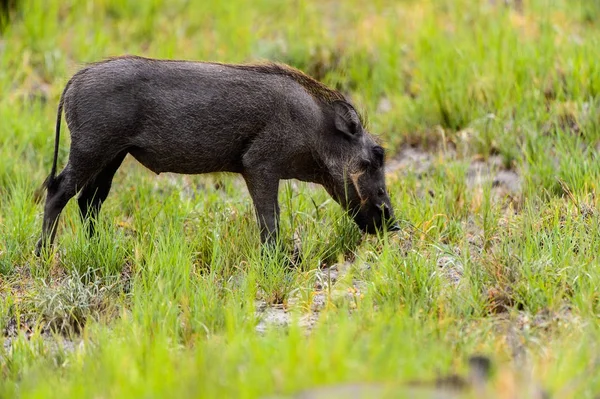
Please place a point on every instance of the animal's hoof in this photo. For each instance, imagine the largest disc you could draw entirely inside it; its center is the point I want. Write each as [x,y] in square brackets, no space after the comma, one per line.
[38,248]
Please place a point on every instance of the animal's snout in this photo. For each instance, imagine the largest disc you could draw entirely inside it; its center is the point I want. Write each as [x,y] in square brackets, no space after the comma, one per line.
[390,223]
[393,226]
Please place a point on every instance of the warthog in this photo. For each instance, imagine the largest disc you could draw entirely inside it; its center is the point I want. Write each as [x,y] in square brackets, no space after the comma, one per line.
[266,121]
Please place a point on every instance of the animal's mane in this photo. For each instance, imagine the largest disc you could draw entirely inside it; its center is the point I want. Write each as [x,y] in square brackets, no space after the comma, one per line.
[315,88]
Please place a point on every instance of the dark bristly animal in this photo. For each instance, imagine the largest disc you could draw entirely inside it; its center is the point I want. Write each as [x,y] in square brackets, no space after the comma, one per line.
[267,122]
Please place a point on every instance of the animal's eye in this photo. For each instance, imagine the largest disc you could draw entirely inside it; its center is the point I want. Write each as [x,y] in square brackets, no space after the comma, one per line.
[365,164]
[381,191]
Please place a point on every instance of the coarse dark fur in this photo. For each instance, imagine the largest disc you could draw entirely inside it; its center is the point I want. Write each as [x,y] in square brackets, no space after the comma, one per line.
[266,121]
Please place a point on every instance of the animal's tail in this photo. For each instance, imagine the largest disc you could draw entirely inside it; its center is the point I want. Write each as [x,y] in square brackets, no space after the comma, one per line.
[49,182]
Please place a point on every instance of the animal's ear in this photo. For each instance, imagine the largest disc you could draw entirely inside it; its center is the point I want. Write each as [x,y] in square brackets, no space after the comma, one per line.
[346,119]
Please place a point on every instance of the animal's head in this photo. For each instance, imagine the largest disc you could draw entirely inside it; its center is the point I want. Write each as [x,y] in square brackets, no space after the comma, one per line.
[355,163]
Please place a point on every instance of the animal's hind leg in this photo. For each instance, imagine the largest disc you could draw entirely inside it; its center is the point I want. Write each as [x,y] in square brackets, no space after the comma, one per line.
[60,191]
[96,190]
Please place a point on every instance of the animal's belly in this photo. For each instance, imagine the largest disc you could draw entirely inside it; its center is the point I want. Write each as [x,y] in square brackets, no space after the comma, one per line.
[185,162]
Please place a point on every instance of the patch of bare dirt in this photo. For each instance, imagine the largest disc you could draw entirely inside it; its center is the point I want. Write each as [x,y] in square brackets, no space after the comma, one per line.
[481,171]
[280,316]
[410,159]
[332,285]
[451,268]
[54,343]
[504,182]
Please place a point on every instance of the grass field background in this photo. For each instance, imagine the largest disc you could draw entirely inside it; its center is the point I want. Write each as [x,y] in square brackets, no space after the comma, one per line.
[489,113]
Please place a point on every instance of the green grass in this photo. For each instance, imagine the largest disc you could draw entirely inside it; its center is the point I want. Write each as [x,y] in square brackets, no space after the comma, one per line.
[165,300]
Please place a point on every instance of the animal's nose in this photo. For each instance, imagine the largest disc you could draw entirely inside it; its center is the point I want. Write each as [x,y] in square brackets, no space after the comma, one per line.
[393,227]
[390,223]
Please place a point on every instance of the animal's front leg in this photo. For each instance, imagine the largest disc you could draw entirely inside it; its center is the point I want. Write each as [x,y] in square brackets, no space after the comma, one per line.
[263,189]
